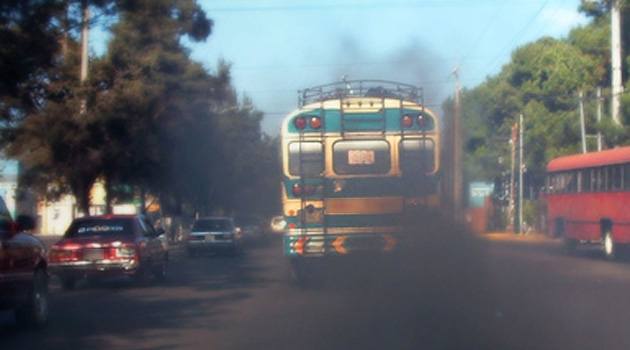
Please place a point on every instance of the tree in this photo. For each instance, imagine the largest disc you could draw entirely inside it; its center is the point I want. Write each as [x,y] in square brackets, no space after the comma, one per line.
[541,82]
[191,147]
[117,137]
[29,34]
[53,141]
[240,140]
[148,83]
[594,39]
[155,121]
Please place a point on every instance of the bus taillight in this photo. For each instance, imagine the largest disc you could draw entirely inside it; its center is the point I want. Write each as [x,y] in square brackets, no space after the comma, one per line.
[407,121]
[316,122]
[300,122]
[307,190]
[296,190]
[423,120]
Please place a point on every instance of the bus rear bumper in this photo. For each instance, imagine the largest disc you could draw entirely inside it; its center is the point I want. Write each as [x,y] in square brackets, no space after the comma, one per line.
[340,244]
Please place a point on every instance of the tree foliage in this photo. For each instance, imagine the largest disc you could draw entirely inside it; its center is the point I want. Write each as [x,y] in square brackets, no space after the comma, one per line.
[29,35]
[542,82]
[155,121]
[144,88]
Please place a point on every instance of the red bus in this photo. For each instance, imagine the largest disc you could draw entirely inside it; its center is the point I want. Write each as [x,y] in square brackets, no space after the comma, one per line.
[588,199]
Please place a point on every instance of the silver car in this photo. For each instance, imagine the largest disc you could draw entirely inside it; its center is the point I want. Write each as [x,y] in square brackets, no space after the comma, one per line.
[278,224]
[214,234]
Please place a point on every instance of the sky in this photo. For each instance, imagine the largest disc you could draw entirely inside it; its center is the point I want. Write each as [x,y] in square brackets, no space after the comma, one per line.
[277,47]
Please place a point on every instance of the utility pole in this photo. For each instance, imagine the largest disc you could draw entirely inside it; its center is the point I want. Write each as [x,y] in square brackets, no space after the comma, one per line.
[582,126]
[512,175]
[457,152]
[520,174]
[615,58]
[599,117]
[85,27]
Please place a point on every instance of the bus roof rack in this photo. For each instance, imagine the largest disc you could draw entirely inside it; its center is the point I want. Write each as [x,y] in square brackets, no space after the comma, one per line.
[360,88]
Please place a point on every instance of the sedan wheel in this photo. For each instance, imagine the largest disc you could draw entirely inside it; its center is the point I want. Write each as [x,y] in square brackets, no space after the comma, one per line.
[35,311]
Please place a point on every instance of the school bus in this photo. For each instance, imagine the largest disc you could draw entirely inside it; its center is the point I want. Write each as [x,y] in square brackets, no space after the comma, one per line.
[356,157]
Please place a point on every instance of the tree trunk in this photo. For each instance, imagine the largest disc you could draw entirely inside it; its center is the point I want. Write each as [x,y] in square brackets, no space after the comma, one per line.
[82,194]
[143,199]
[81,186]
[108,197]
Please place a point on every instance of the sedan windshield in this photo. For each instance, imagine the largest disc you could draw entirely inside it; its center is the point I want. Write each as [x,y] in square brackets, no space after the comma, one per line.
[100,227]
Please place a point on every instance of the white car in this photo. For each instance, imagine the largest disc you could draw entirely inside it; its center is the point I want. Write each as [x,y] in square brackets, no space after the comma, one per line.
[214,234]
[278,224]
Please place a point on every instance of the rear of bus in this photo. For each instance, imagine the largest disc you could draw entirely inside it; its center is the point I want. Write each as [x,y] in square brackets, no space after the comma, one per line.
[587,196]
[355,160]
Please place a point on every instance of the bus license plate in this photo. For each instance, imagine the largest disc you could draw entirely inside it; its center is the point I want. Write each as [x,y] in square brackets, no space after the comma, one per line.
[316,216]
[361,157]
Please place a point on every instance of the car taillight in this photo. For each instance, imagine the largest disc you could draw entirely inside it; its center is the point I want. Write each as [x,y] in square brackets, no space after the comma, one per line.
[62,254]
[126,251]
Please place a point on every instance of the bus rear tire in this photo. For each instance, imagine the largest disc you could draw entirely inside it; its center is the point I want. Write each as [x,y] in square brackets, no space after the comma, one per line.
[612,250]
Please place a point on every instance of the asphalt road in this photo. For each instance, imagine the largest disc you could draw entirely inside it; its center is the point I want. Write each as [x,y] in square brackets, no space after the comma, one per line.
[451,291]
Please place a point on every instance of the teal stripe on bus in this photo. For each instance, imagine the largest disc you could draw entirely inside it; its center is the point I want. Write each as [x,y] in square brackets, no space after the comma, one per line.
[332,121]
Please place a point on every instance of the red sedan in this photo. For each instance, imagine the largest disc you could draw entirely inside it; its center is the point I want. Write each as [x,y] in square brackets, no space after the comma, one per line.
[23,270]
[107,246]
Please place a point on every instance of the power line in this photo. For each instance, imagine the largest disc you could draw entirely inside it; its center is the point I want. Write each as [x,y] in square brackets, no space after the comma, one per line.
[251,7]
[518,36]
[482,33]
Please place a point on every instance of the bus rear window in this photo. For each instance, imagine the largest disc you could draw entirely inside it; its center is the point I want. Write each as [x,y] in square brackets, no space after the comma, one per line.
[361,157]
[306,158]
[100,227]
[417,156]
